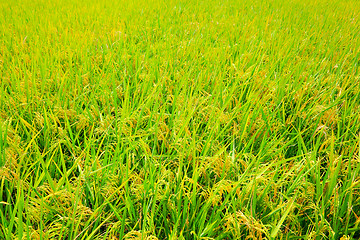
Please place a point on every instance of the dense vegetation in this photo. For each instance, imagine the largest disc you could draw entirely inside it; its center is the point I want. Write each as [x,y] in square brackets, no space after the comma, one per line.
[180,119]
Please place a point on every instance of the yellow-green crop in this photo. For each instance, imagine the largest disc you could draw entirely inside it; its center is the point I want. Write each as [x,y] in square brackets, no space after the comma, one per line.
[196,119]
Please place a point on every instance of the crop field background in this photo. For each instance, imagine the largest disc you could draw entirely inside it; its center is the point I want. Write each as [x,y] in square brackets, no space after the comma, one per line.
[157,119]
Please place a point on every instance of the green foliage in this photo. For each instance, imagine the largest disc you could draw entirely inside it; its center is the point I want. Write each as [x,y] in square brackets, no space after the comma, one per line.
[180,119]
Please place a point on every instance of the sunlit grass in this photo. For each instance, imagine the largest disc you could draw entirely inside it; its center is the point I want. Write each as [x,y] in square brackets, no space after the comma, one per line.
[180,120]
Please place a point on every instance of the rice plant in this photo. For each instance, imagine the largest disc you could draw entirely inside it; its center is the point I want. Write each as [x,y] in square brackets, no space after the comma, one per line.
[176,119]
